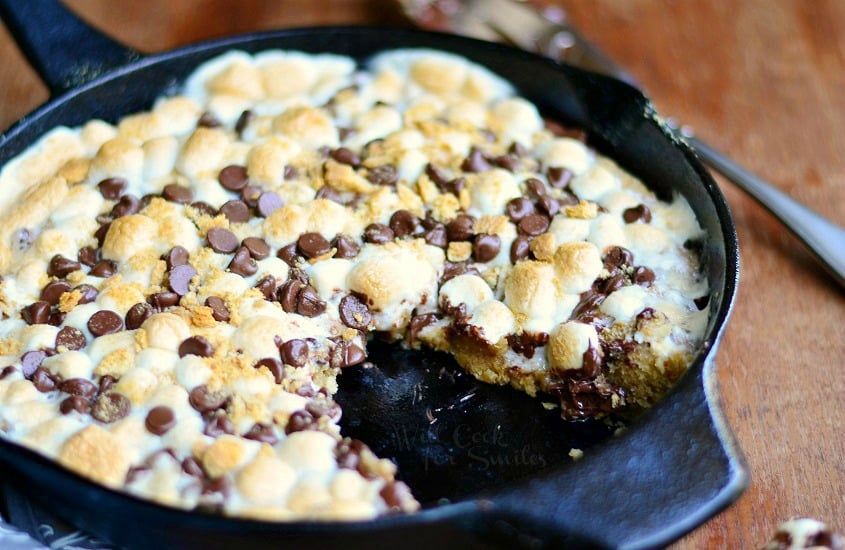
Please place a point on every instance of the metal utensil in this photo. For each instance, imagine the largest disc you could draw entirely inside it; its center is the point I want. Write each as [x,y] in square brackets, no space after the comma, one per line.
[548,32]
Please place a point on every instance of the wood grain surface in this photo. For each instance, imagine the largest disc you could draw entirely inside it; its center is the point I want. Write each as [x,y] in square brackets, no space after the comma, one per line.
[762,80]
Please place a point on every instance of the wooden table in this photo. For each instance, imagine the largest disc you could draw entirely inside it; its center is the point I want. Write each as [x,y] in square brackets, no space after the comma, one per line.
[763,80]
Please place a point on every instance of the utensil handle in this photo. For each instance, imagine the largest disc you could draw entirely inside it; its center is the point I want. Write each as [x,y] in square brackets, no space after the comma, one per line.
[823,238]
[65,51]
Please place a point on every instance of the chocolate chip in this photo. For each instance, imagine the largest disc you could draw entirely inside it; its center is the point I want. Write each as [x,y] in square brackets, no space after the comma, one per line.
[643,276]
[192,467]
[534,224]
[258,247]
[617,256]
[105,322]
[219,424]
[639,213]
[101,232]
[308,302]
[460,228]
[196,345]
[147,199]
[452,270]
[242,263]
[702,301]
[611,284]
[56,318]
[312,245]
[177,193]
[110,407]
[548,205]
[236,211]
[517,149]
[204,209]
[586,311]
[160,420]
[346,354]
[558,177]
[88,255]
[126,206]
[329,193]
[53,291]
[378,233]
[267,286]
[319,409]
[268,203]
[275,367]
[81,387]
[36,313]
[250,195]
[43,380]
[404,223]
[243,121]
[384,174]
[71,338]
[204,400]
[103,269]
[208,120]
[519,208]
[263,433]
[287,294]
[75,403]
[354,312]
[106,382]
[218,308]
[176,256]
[163,300]
[344,155]
[299,421]
[485,247]
[346,247]
[222,240]
[418,323]
[61,267]
[508,162]
[559,130]
[520,248]
[179,279]
[30,361]
[454,186]
[87,293]
[112,188]
[7,371]
[475,162]
[437,236]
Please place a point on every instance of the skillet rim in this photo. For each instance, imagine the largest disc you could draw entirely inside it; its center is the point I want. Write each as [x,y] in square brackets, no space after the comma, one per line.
[701,370]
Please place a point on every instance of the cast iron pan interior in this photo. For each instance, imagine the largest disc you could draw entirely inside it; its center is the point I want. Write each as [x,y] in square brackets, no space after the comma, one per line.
[490,465]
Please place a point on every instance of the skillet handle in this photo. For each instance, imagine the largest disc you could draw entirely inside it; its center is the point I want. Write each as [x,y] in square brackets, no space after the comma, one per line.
[644,490]
[65,51]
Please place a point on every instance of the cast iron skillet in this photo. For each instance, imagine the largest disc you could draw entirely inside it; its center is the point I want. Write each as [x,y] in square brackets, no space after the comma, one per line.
[490,465]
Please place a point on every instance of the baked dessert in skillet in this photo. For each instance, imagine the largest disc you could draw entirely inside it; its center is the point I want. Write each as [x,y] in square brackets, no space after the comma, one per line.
[180,290]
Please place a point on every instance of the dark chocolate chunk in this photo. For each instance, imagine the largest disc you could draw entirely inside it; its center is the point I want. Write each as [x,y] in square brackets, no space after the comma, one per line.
[344,155]
[460,228]
[126,206]
[519,208]
[312,245]
[222,240]
[196,345]
[548,205]
[101,232]
[75,403]
[160,420]
[43,380]
[436,175]
[268,203]
[110,407]
[53,291]
[218,308]
[346,247]
[535,188]
[294,352]
[520,248]
[275,367]
[79,386]
[258,247]
[378,233]
[88,255]
[112,188]
[105,322]
[242,263]
[346,354]
[62,267]
[639,213]
[288,293]
[558,177]
[176,256]
[163,300]
[103,269]
[309,303]
[36,313]
[288,254]
[354,312]
[236,211]
[437,236]
[616,256]
[177,193]
[267,286]
[404,223]
[87,293]
[204,400]
[385,174]
[534,224]
[485,247]
[179,279]
[71,338]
